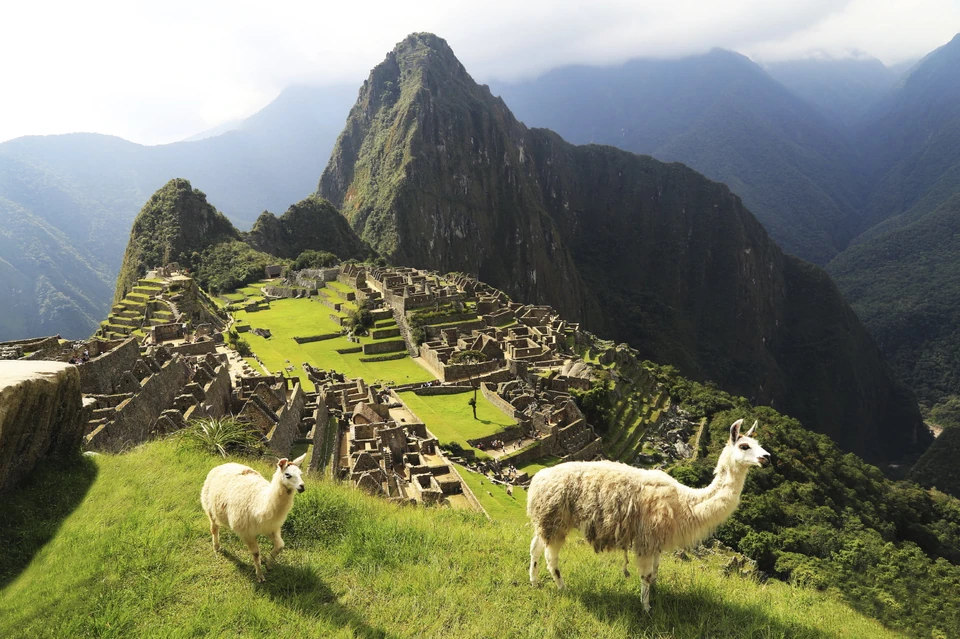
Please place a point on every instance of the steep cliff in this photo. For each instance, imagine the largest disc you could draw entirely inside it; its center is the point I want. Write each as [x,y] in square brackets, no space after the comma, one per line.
[434,171]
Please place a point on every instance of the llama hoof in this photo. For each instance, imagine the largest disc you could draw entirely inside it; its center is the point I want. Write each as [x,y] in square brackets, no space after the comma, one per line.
[261,578]
[646,608]
[626,573]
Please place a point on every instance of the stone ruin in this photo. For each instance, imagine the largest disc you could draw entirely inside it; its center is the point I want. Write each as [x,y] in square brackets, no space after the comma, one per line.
[381,447]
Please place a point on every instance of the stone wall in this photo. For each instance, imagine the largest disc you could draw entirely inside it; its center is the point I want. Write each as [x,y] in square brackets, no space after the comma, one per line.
[442,390]
[315,338]
[100,375]
[197,348]
[382,333]
[287,429]
[390,346]
[41,415]
[135,418]
[498,401]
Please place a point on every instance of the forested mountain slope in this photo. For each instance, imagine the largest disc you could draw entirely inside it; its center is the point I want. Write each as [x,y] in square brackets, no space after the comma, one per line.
[843,89]
[724,116]
[434,171]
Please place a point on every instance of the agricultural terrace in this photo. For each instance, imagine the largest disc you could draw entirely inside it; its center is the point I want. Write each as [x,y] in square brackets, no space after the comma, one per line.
[288,318]
[450,418]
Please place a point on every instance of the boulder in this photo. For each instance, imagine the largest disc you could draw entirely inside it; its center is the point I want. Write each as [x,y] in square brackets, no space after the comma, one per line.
[41,414]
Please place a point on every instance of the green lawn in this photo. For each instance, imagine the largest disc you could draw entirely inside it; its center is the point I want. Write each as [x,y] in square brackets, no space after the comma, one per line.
[544,462]
[117,546]
[450,418]
[498,504]
[287,318]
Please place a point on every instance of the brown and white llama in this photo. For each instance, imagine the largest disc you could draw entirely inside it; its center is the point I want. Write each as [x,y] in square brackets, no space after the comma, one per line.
[619,507]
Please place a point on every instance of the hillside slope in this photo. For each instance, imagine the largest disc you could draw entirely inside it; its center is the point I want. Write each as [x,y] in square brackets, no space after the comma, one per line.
[311,224]
[97,558]
[724,116]
[433,171]
[901,275]
[88,188]
[843,89]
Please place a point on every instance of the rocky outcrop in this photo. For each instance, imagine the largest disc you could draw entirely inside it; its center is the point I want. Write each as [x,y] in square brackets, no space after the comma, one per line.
[41,415]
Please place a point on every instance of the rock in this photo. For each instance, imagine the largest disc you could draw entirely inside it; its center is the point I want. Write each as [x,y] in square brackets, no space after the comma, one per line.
[41,414]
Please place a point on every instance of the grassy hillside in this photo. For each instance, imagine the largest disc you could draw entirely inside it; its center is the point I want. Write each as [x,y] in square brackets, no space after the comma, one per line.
[131,556]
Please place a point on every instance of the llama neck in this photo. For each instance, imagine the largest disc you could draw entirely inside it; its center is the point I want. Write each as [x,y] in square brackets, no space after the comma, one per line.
[718,500]
[276,499]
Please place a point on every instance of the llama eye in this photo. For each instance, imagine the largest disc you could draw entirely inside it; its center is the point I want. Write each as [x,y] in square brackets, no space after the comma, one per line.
[742,447]
[288,475]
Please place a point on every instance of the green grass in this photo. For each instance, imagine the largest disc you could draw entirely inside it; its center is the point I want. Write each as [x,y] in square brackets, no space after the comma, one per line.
[450,418]
[498,504]
[287,318]
[128,554]
[533,467]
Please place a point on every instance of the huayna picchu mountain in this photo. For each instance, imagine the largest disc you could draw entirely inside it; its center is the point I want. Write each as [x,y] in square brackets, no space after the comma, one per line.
[177,224]
[434,171]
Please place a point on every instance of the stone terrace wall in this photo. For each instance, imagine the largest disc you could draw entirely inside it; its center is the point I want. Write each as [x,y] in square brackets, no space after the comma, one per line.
[442,390]
[41,415]
[390,346]
[287,429]
[100,375]
[498,401]
[135,418]
[197,348]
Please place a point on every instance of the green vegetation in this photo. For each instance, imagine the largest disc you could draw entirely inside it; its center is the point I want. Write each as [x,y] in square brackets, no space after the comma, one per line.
[938,467]
[311,229]
[314,259]
[288,318]
[220,436]
[450,418]
[130,556]
[231,265]
[826,519]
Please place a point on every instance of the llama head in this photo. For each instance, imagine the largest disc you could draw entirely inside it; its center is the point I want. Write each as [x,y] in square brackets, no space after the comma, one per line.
[290,475]
[746,451]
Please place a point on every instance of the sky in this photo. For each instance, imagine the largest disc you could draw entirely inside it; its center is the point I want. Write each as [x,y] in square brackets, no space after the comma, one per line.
[157,72]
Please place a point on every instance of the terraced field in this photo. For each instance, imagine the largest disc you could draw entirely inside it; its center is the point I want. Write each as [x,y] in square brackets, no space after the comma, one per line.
[636,412]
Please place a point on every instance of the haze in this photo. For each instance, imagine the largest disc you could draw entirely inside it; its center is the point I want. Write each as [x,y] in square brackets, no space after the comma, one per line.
[161,72]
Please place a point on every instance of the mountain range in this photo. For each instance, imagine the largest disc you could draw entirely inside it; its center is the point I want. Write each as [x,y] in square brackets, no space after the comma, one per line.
[67,201]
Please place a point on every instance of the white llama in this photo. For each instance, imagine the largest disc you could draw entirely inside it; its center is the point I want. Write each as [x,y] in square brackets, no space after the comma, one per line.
[240,498]
[616,506]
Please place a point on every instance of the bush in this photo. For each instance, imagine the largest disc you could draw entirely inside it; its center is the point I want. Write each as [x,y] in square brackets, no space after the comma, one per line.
[221,436]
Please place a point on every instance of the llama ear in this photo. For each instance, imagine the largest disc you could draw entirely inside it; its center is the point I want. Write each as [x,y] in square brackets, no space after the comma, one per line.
[298,460]
[735,430]
[282,463]
[753,429]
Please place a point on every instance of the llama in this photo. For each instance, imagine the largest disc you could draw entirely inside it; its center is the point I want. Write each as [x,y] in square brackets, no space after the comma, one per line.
[617,506]
[239,498]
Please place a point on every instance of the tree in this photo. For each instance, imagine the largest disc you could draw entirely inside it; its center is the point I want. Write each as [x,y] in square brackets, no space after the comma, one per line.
[471,357]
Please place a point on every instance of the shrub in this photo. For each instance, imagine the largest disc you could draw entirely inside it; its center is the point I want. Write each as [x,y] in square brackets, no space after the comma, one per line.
[221,436]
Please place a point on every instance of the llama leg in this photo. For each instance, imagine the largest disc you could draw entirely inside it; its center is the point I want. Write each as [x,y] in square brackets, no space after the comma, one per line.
[553,560]
[626,562]
[255,549]
[277,547]
[646,566]
[536,551]
[214,532]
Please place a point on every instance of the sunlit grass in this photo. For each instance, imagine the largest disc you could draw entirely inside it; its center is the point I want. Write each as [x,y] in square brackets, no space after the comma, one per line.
[134,559]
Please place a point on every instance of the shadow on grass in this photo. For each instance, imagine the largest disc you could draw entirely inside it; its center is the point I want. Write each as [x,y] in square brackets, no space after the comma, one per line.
[299,589]
[689,614]
[34,511]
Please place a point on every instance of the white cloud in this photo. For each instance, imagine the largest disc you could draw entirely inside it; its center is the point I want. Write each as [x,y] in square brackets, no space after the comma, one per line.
[157,72]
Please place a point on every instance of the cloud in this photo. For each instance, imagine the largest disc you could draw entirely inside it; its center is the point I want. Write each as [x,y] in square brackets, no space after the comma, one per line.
[157,72]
